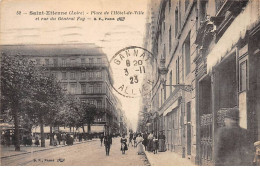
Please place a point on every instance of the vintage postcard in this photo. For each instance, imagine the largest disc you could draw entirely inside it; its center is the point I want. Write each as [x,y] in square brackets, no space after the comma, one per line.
[130,83]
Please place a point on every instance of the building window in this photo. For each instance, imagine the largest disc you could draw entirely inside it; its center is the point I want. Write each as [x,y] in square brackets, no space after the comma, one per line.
[64,86]
[46,74]
[92,101]
[99,88]
[177,70]
[99,104]
[170,5]
[243,76]
[161,96]
[186,50]
[83,89]
[73,62]
[54,74]
[99,74]
[176,22]
[186,4]
[91,60]
[170,80]
[83,61]
[219,4]
[73,88]
[83,100]
[91,75]
[164,52]
[55,62]
[72,76]
[64,75]
[99,60]
[47,62]
[164,26]
[164,93]
[38,61]
[63,62]
[189,112]
[204,6]
[83,75]
[91,88]
[170,39]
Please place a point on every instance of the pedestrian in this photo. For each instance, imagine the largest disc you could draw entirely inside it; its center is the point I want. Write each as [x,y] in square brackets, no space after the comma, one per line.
[80,137]
[7,138]
[59,137]
[139,144]
[161,139]
[145,142]
[29,140]
[232,146]
[123,142]
[155,145]
[55,140]
[150,142]
[64,138]
[130,139]
[107,143]
[134,138]
[37,142]
[24,139]
[101,137]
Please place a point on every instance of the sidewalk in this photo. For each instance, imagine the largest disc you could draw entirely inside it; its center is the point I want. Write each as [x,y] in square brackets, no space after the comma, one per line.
[9,151]
[167,158]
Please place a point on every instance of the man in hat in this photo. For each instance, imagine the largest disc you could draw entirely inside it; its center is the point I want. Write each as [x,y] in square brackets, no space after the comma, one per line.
[232,146]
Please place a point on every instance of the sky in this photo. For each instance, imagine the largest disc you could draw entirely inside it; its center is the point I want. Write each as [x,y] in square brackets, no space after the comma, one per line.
[21,25]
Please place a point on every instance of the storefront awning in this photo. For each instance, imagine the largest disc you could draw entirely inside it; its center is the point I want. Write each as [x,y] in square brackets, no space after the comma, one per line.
[94,129]
[243,22]
[171,107]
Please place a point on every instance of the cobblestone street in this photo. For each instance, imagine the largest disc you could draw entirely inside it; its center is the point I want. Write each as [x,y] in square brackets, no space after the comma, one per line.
[84,154]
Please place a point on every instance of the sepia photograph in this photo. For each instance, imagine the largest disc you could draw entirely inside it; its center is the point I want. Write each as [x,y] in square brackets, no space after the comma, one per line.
[130,83]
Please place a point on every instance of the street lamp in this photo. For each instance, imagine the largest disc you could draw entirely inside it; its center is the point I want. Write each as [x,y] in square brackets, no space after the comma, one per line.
[163,73]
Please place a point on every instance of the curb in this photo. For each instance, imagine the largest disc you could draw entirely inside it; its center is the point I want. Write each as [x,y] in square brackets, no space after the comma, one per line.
[146,157]
[43,149]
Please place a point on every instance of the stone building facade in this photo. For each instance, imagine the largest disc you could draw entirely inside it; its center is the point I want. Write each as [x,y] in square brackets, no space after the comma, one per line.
[83,71]
[207,55]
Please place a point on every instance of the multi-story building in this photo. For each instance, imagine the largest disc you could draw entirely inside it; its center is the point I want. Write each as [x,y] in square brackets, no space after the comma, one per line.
[227,69]
[82,70]
[173,47]
[207,55]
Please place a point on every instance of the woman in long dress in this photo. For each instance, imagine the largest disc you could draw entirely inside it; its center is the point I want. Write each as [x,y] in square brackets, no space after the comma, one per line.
[123,142]
[161,142]
[150,142]
[139,143]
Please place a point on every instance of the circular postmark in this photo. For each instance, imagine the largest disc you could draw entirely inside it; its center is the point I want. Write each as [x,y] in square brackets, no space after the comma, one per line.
[132,71]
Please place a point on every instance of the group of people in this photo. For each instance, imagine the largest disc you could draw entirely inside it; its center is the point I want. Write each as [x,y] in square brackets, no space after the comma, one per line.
[153,143]
[137,140]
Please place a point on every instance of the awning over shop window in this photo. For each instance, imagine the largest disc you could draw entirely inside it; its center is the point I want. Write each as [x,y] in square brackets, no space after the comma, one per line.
[94,129]
[171,107]
[243,22]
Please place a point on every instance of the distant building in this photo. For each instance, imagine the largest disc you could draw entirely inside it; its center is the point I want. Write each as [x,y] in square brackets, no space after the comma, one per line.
[82,70]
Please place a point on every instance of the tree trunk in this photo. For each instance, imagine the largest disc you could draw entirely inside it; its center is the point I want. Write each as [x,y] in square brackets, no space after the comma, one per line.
[51,136]
[42,134]
[89,132]
[16,129]
[83,129]
[89,128]
[84,134]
